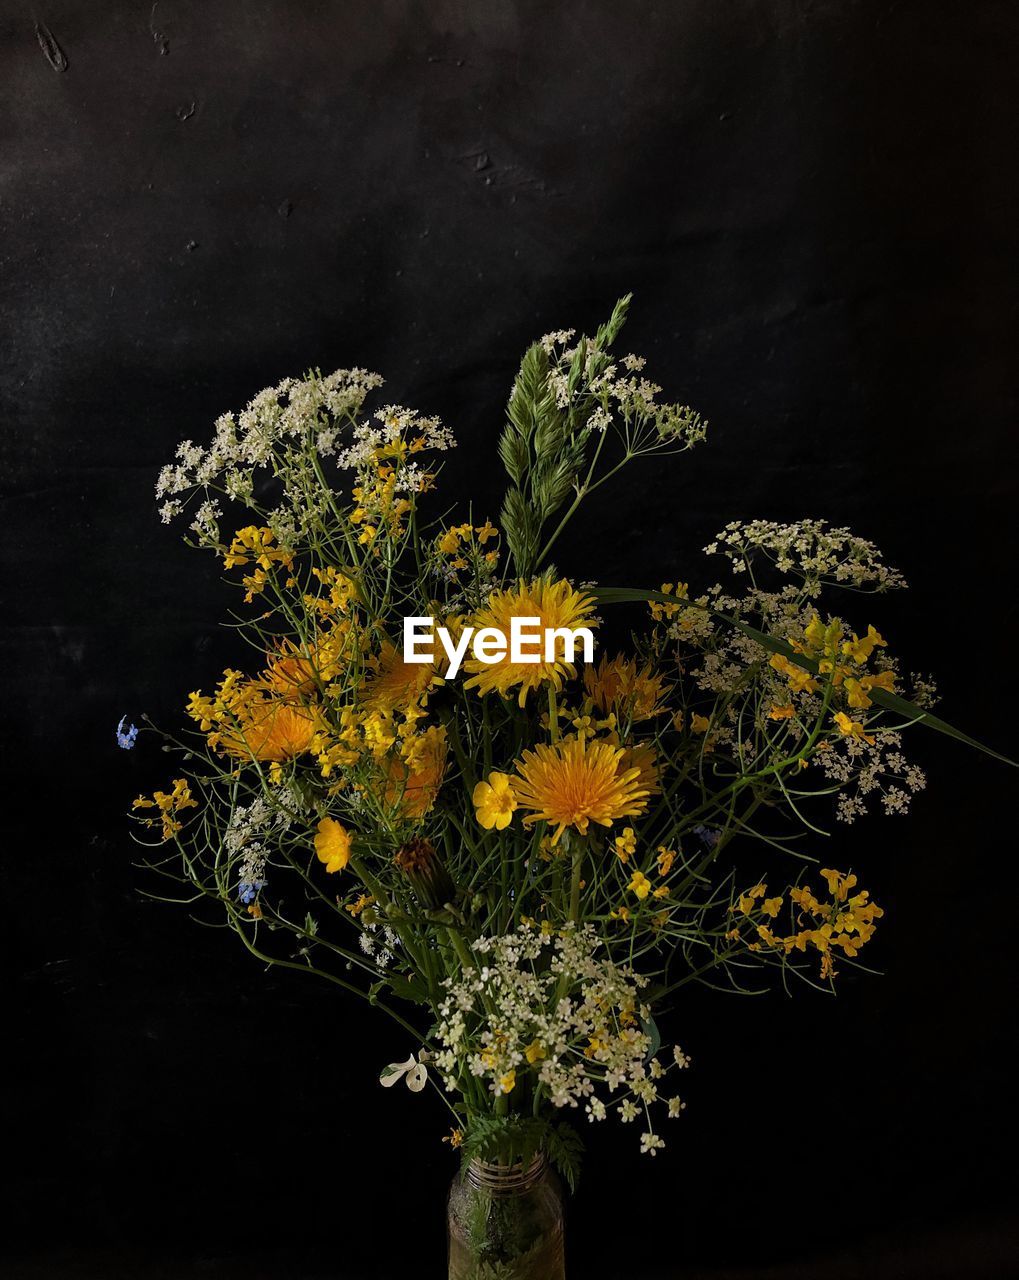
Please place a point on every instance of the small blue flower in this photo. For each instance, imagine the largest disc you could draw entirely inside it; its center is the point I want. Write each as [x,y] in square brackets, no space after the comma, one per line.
[710,838]
[248,890]
[126,736]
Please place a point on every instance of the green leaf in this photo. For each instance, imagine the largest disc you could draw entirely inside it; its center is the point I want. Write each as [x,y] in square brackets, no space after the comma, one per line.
[890,701]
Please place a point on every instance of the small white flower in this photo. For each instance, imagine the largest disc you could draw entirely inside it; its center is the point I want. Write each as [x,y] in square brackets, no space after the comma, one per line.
[414,1073]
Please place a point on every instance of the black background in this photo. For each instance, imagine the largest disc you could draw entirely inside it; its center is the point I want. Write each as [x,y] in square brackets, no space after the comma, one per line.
[814,203]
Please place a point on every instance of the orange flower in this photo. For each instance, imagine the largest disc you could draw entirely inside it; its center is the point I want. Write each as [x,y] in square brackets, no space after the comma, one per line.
[577,782]
[413,779]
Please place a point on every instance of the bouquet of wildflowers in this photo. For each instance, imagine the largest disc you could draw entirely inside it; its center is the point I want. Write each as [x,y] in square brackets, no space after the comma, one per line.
[518,855]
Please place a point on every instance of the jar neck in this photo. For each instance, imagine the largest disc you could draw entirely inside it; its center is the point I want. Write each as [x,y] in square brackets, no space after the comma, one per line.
[506,1179]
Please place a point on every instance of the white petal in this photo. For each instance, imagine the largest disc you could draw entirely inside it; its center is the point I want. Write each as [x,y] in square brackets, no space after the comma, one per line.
[417,1078]
[389,1075]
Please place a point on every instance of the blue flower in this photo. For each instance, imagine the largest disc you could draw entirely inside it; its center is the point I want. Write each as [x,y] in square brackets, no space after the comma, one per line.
[247,890]
[710,838]
[126,736]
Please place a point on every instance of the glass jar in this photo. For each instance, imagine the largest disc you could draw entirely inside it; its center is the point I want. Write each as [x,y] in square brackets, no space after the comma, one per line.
[506,1222]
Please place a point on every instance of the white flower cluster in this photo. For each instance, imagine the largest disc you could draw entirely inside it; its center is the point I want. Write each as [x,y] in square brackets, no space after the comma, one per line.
[619,389]
[281,415]
[267,816]
[378,942]
[546,1004]
[808,549]
[867,771]
[395,423]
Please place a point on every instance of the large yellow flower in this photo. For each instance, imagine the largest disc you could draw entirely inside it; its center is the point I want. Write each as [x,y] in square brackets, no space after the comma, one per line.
[295,672]
[554,604]
[577,782]
[246,720]
[267,730]
[618,684]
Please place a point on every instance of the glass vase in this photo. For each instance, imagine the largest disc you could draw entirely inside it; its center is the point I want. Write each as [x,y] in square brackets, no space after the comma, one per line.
[506,1222]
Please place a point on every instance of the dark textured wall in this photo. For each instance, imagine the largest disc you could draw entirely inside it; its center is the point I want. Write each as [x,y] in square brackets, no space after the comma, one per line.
[814,203]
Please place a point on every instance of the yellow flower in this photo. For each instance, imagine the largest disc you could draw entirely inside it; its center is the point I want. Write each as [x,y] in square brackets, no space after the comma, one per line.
[772,906]
[698,723]
[169,804]
[857,690]
[507,1082]
[661,611]
[625,844]
[745,903]
[839,883]
[781,712]
[332,844]
[666,857]
[860,650]
[365,900]
[800,680]
[396,684]
[534,1052]
[583,726]
[449,543]
[413,779]
[640,885]
[455,1139]
[618,685]
[270,731]
[850,728]
[554,604]
[252,543]
[620,913]
[575,783]
[495,802]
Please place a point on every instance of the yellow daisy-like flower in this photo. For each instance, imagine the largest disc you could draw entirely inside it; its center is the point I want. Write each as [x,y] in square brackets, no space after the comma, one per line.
[332,844]
[294,672]
[495,802]
[269,731]
[577,782]
[554,604]
[618,684]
